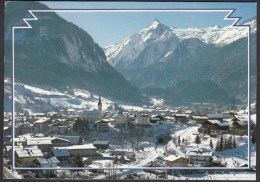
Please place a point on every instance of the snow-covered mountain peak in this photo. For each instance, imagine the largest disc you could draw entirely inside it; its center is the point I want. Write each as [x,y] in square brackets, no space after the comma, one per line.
[133,45]
[156,25]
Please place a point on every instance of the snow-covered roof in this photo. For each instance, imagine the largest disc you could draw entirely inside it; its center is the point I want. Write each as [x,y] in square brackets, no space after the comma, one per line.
[215,116]
[42,120]
[8,148]
[52,160]
[29,153]
[39,141]
[225,123]
[78,147]
[181,115]
[71,139]
[199,117]
[102,121]
[101,142]
[172,158]
[60,152]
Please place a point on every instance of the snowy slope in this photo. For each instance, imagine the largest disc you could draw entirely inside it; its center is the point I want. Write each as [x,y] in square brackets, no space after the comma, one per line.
[42,99]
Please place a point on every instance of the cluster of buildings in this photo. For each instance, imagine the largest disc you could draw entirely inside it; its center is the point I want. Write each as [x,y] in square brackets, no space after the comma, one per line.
[46,140]
[194,158]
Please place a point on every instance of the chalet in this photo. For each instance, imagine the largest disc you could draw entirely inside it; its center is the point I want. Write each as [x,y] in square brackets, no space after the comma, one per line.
[176,161]
[44,143]
[181,117]
[215,127]
[142,119]
[83,150]
[47,163]
[102,125]
[156,118]
[101,144]
[218,117]
[199,118]
[239,126]
[25,158]
[199,158]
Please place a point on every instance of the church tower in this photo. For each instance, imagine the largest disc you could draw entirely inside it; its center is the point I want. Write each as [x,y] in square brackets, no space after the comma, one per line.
[99,104]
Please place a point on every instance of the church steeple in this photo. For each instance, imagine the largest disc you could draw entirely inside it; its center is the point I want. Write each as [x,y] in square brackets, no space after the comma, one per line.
[99,104]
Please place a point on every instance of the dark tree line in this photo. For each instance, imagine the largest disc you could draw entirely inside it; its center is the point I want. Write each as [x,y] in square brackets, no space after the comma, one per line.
[225,143]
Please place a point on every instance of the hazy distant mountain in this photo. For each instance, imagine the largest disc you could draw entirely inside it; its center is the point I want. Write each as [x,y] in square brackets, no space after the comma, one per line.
[56,53]
[207,55]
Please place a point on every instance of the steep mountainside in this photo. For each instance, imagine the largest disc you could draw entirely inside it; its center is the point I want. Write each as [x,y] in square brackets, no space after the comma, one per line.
[56,53]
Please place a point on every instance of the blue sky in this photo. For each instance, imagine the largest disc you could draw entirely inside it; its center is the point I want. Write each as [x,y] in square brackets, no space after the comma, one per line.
[110,28]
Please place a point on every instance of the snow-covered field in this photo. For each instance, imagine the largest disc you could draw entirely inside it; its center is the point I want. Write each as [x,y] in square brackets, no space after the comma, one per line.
[36,99]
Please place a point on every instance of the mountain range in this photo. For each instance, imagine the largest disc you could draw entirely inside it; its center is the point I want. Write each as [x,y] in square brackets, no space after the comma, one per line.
[165,61]
[55,53]
[178,65]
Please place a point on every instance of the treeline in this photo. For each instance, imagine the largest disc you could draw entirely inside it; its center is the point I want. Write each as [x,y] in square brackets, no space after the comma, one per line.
[224,143]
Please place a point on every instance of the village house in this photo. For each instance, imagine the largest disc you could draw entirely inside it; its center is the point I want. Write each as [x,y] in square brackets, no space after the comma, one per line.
[239,126]
[26,158]
[44,144]
[199,119]
[102,125]
[120,120]
[101,144]
[181,117]
[218,117]
[83,150]
[61,154]
[47,163]
[142,119]
[154,119]
[73,140]
[199,158]
[176,161]
[215,127]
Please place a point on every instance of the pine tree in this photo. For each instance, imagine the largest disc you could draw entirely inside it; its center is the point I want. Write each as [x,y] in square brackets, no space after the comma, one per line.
[182,140]
[230,142]
[225,144]
[217,146]
[234,145]
[221,143]
[197,140]
[253,136]
[211,144]
[179,140]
